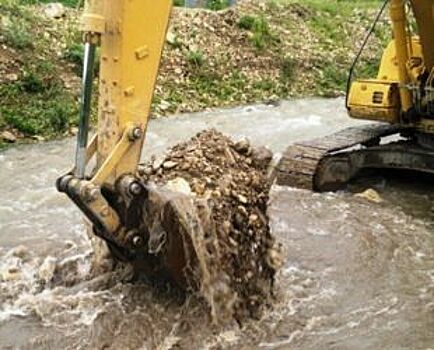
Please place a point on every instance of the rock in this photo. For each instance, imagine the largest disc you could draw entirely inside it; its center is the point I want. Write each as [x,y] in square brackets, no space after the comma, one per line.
[230,234]
[8,137]
[242,199]
[171,38]
[164,105]
[199,188]
[157,163]
[47,269]
[253,218]
[371,195]
[38,138]
[11,77]
[179,185]
[170,164]
[242,146]
[20,252]
[262,157]
[11,274]
[275,257]
[73,131]
[144,170]
[54,10]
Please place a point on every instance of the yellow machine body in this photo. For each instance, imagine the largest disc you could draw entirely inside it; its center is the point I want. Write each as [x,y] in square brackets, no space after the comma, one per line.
[132,34]
[403,87]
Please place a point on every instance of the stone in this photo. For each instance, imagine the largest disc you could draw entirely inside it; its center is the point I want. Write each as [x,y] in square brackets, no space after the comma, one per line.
[199,188]
[171,38]
[242,146]
[54,10]
[38,138]
[11,77]
[179,185]
[242,199]
[262,157]
[164,105]
[11,274]
[170,164]
[157,163]
[370,195]
[73,131]
[8,137]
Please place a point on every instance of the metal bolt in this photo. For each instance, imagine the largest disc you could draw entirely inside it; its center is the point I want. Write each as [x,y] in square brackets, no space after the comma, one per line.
[105,212]
[137,241]
[135,188]
[137,133]
[93,194]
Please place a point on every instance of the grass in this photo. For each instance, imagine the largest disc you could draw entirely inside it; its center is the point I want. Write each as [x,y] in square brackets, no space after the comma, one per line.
[17,34]
[36,104]
[215,5]
[69,3]
[196,58]
[261,35]
[49,110]
[331,22]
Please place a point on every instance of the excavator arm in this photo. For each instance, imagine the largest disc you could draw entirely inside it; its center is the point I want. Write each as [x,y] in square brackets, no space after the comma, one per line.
[129,36]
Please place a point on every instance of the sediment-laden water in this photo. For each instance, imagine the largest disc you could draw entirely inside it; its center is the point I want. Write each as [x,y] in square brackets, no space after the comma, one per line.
[358,275]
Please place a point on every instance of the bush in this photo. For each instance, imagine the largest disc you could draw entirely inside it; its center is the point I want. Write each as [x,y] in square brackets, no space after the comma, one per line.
[217,5]
[196,58]
[247,22]
[17,34]
[288,68]
[261,34]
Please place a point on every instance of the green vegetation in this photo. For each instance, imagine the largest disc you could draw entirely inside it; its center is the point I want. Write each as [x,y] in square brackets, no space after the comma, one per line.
[34,102]
[215,5]
[37,104]
[288,69]
[261,35]
[70,3]
[17,34]
[196,58]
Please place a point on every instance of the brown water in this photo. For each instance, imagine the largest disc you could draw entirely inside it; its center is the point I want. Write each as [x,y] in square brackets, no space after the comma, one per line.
[358,275]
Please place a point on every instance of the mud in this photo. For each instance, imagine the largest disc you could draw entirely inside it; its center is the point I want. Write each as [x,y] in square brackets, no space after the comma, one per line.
[237,254]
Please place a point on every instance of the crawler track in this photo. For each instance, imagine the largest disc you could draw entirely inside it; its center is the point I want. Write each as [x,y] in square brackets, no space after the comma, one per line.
[327,163]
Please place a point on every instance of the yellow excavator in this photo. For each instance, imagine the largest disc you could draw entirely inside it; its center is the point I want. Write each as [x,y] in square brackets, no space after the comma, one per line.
[401,97]
[128,213]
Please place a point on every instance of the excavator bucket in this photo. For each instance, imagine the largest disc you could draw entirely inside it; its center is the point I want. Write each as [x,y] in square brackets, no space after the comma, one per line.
[175,227]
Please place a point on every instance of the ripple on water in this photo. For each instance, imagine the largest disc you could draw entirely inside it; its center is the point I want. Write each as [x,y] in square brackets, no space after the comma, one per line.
[358,275]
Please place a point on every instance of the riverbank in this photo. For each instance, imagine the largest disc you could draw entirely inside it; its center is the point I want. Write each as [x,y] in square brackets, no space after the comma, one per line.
[256,51]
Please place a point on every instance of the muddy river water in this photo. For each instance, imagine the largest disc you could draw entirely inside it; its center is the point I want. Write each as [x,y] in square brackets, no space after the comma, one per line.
[358,275]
